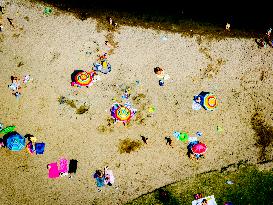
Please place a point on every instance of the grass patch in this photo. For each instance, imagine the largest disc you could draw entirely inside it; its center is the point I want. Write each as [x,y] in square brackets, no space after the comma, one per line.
[251,187]
[82,109]
[128,145]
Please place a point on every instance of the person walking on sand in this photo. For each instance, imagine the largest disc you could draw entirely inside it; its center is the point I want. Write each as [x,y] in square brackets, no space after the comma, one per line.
[144,139]
[169,141]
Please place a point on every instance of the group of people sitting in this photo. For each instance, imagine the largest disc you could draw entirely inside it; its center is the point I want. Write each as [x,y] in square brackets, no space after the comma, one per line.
[102,64]
[266,40]
[191,154]
[104,177]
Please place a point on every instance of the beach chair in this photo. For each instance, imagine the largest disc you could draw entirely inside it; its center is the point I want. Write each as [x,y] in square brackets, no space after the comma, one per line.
[40,148]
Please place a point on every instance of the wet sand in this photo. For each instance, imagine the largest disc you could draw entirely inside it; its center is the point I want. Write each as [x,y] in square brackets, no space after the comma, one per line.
[51,47]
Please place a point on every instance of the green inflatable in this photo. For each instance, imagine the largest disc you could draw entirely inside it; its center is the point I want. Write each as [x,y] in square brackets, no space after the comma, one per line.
[183,136]
[7,130]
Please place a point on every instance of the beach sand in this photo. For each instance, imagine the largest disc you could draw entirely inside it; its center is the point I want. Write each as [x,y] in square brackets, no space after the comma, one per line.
[51,47]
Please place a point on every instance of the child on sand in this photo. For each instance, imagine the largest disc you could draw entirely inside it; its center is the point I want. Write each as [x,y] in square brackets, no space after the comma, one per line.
[15,86]
[160,73]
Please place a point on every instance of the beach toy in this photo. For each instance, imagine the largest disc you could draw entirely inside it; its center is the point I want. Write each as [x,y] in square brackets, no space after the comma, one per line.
[47,10]
[14,141]
[40,148]
[53,171]
[7,130]
[122,113]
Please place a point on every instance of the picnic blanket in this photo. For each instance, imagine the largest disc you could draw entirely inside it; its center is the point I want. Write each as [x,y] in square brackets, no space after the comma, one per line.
[210,199]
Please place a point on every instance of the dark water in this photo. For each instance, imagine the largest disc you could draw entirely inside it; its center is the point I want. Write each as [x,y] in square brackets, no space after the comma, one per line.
[255,17]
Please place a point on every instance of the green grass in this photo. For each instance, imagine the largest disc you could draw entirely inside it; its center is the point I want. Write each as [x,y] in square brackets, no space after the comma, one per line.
[251,187]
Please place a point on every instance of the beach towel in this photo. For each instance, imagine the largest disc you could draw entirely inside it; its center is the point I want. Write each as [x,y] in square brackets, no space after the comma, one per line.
[40,148]
[73,166]
[63,165]
[53,171]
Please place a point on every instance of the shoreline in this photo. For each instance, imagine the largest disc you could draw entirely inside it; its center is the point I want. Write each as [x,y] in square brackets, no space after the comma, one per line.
[186,25]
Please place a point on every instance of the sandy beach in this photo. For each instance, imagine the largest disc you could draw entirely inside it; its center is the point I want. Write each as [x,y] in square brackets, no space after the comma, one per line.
[50,47]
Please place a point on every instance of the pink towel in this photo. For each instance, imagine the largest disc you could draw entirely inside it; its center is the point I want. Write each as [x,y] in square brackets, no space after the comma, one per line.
[53,171]
[63,165]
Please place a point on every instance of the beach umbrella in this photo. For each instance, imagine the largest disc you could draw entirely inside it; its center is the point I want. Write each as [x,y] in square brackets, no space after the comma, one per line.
[7,130]
[122,113]
[14,141]
[208,100]
[82,78]
[199,148]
